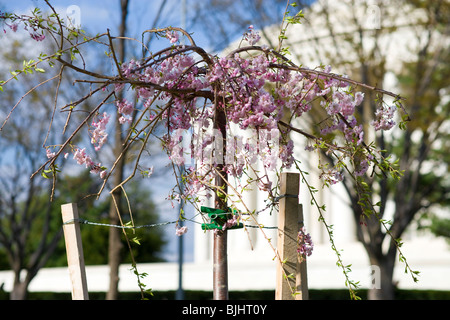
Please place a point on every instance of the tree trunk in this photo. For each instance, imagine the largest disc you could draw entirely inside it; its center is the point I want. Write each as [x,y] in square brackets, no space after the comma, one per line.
[115,244]
[381,261]
[20,288]
[19,291]
[383,287]
[114,253]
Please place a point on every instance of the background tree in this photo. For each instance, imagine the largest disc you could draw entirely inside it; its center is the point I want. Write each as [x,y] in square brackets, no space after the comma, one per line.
[114,244]
[27,233]
[440,227]
[124,52]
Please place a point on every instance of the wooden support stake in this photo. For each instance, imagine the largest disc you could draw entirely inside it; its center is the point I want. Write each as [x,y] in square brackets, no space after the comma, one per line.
[292,274]
[74,248]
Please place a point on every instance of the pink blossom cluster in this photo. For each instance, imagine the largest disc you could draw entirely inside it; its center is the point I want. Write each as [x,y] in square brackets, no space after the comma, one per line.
[384,118]
[362,166]
[129,71]
[252,36]
[196,183]
[174,144]
[230,222]
[37,36]
[99,134]
[173,72]
[49,154]
[179,231]
[125,109]
[332,176]
[84,159]
[305,245]
[248,103]
[341,109]
[173,36]
[99,137]
[286,154]
[245,99]
[14,25]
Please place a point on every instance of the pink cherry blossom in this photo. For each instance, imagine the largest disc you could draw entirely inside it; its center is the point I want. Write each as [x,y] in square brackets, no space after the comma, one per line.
[252,36]
[50,154]
[305,243]
[384,118]
[173,36]
[99,134]
[82,158]
[124,107]
[36,36]
[14,26]
[180,231]
[103,174]
[230,222]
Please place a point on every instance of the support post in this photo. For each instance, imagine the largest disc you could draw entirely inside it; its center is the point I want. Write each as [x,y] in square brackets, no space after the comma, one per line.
[74,249]
[291,281]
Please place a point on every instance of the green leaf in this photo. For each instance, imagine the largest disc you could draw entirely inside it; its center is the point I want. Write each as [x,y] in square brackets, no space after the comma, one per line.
[136,240]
